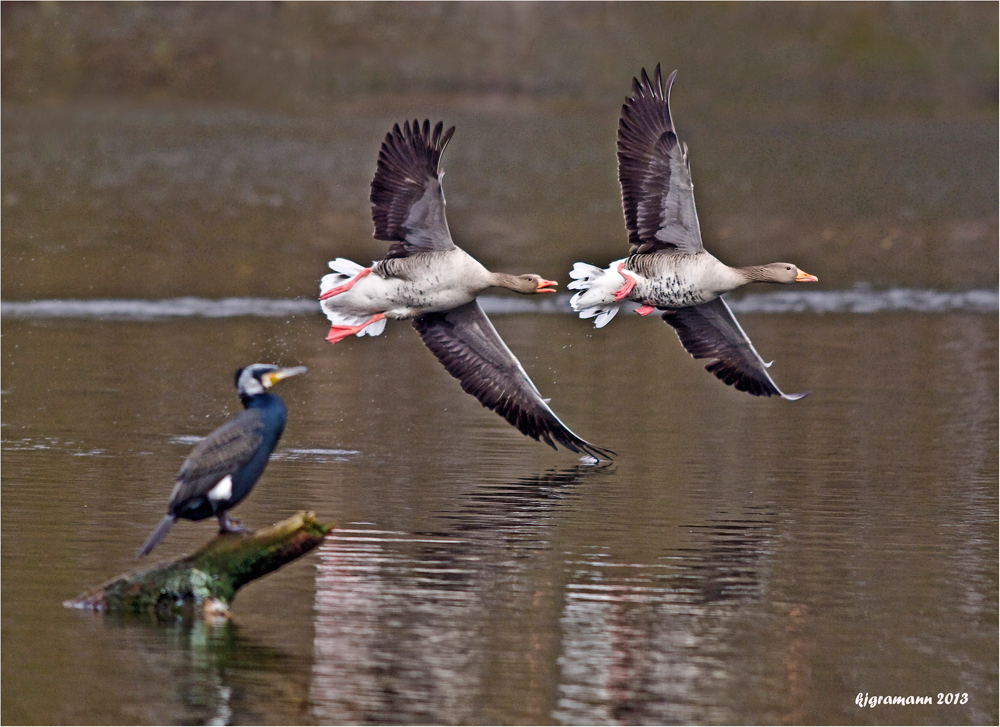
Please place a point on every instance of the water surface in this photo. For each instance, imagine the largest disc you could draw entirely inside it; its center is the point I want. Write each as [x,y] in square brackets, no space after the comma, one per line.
[743,559]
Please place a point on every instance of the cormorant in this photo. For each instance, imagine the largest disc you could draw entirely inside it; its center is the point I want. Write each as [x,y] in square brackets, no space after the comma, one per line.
[224,466]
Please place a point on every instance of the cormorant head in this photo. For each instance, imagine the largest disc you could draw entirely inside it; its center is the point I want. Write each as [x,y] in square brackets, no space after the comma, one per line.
[257,378]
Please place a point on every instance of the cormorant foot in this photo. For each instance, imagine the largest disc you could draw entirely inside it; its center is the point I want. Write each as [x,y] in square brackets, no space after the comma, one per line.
[230,525]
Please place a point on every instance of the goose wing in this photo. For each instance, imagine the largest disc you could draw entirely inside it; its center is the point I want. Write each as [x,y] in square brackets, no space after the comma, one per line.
[470,348]
[711,331]
[655,176]
[221,453]
[407,199]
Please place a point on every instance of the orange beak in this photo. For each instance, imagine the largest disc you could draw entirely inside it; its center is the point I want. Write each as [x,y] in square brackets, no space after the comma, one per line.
[547,286]
[804,277]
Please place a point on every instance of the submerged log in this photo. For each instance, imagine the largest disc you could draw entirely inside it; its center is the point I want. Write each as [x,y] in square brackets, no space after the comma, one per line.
[206,581]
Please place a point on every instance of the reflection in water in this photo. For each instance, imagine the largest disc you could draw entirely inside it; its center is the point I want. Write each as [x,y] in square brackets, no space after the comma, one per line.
[210,674]
[517,511]
[735,564]
[403,620]
[409,624]
[388,639]
[644,643]
[725,566]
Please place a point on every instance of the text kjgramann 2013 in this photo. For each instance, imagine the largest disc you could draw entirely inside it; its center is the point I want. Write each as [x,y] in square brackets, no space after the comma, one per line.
[880,700]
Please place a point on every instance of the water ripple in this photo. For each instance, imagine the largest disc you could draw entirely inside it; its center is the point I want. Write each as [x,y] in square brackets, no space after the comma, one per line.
[154,309]
[856,300]
[865,300]
[311,454]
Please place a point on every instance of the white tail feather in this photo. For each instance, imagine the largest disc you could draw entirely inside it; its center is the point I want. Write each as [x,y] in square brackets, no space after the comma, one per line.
[373,329]
[583,275]
[605,317]
[596,297]
[601,316]
[331,280]
[343,270]
[345,267]
[339,318]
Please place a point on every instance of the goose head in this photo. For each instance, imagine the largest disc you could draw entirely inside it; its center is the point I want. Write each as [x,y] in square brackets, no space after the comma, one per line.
[528,284]
[780,273]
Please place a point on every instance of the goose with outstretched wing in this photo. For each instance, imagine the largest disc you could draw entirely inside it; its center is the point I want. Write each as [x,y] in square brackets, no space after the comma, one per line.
[425,277]
[668,268]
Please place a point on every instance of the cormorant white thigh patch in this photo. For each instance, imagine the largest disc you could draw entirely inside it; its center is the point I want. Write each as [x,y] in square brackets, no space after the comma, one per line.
[223,489]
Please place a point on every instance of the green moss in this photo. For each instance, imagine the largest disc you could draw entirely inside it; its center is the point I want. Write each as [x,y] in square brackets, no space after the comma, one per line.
[212,575]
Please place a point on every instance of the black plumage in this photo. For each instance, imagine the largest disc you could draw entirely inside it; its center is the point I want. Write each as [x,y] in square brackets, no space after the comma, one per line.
[466,343]
[711,331]
[658,200]
[406,195]
[655,173]
[224,466]
[426,277]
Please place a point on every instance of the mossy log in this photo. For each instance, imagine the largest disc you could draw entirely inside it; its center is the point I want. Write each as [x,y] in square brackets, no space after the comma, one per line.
[205,582]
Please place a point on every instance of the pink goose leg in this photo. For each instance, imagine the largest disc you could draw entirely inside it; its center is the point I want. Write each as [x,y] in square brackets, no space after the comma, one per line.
[629,284]
[344,287]
[339,333]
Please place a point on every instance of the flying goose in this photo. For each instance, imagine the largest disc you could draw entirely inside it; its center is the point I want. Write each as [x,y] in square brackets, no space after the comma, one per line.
[427,278]
[668,268]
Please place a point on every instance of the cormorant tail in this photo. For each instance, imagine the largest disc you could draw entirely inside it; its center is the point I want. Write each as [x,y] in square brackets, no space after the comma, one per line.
[158,534]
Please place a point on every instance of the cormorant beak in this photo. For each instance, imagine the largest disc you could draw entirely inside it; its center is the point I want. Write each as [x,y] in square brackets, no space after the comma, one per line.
[804,277]
[547,286]
[272,377]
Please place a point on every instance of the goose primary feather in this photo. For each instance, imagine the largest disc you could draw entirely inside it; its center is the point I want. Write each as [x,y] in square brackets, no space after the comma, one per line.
[425,277]
[668,268]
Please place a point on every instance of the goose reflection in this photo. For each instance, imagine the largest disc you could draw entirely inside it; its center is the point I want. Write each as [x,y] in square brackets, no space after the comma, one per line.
[403,620]
[522,506]
[630,629]
[496,607]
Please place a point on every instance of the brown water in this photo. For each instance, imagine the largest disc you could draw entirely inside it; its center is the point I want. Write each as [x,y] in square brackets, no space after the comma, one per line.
[742,560]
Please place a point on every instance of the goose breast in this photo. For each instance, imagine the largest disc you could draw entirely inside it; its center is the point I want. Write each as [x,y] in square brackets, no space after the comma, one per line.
[679,280]
[422,283]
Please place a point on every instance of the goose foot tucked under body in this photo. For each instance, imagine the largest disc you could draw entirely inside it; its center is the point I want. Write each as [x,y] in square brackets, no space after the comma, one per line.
[668,268]
[627,288]
[343,288]
[426,278]
[339,333]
